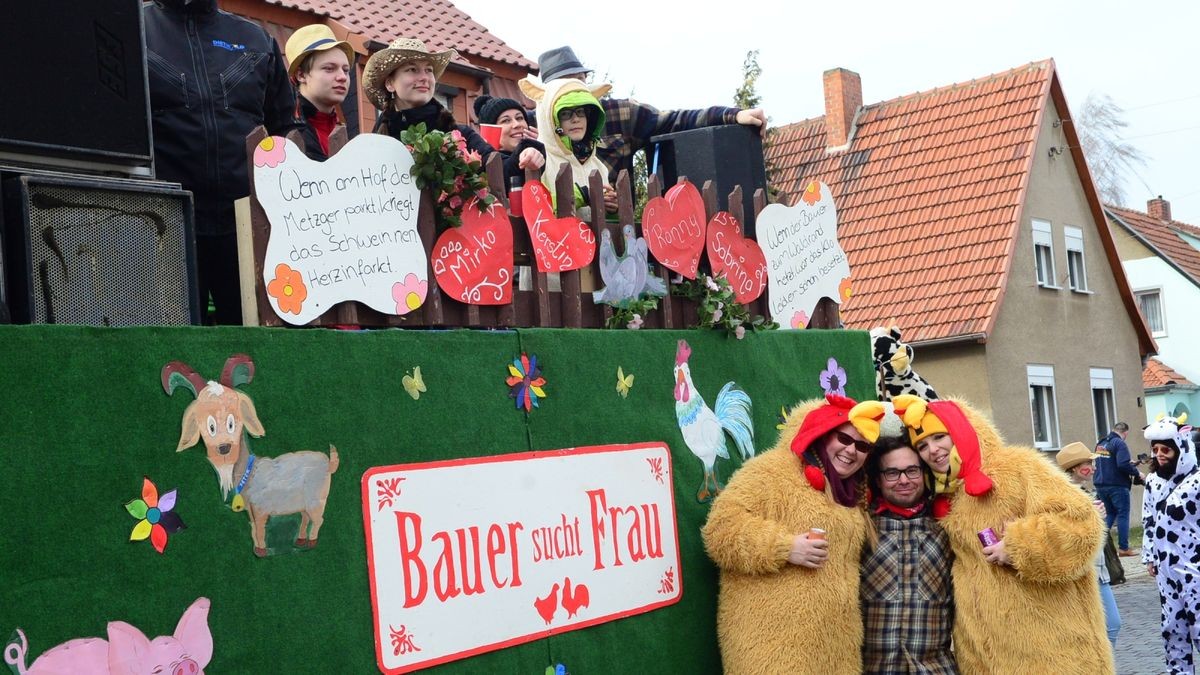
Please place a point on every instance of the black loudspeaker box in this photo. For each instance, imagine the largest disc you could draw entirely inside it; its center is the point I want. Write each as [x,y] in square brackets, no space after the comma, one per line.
[727,155]
[76,86]
[99,252]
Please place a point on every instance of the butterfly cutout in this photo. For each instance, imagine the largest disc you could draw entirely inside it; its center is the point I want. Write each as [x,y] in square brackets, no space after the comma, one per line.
[413,384]
[624,382]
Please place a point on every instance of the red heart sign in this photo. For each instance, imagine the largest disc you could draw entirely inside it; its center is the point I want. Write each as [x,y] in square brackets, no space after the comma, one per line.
[473,262]
[741,260]
[559,244]
[674,228]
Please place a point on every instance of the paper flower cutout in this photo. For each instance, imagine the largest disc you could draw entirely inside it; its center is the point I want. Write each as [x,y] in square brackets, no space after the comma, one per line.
[812,193]
[525,382]
[409,294]
[557,669]
[269,152]
[288,289]
[799,320]
[414,384]
[156,518]
[844,289]
[833,378]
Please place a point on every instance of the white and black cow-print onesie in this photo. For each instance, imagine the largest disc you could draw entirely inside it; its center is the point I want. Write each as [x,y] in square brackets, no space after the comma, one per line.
[1171,542]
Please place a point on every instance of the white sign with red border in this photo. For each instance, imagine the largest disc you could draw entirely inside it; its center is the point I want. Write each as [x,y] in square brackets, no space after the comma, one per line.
[472,555]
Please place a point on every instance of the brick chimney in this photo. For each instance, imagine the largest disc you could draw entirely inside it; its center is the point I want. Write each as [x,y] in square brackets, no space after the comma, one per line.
[1159,208]
[843,98]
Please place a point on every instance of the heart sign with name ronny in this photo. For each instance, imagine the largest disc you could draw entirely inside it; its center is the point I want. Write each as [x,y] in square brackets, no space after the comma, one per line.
[805,262]
[738,259]
[342,229]
[559,244]
[473,262]
[673,226]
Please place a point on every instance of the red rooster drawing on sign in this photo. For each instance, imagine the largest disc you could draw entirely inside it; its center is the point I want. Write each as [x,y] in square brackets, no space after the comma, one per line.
[573,601]
[548,605]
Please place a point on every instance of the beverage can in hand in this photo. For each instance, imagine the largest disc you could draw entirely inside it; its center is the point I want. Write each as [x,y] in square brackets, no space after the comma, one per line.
[816,533]
[988,537]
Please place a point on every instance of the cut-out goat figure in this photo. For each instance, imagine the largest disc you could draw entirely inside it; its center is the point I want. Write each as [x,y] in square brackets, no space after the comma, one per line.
[224,418]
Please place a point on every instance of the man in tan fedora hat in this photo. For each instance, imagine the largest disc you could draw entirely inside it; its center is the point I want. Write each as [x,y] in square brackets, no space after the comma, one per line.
[319,64]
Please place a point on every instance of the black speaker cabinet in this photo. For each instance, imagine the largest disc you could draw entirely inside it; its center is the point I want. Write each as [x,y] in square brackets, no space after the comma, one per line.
[77,98]
[728,155]
[100,252]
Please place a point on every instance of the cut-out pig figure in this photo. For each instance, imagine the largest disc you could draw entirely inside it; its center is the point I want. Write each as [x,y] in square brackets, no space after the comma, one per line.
[127,651]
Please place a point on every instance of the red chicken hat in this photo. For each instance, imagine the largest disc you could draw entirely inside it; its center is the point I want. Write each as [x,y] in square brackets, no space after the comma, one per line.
[925,418]
[817,423]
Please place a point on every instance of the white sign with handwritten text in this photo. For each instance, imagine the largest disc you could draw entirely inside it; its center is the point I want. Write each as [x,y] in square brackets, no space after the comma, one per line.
[471,555]
[343,229]
[804,259]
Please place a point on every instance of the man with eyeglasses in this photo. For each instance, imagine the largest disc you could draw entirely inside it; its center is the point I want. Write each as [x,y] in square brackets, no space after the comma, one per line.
[906,595]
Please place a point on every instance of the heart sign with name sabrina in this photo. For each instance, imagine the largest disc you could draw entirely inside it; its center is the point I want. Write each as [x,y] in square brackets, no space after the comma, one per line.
[473,262]
[342,229]
[674,228]
[559,244]
[738,259]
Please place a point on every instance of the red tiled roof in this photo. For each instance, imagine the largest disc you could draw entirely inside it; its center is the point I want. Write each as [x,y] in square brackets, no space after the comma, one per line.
[928,195]
[437,23]
[1157,374]
[1163,236]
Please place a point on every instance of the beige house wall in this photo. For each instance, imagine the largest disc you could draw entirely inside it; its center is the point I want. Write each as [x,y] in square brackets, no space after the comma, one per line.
[1068,330]
[956,371]
[1128,246]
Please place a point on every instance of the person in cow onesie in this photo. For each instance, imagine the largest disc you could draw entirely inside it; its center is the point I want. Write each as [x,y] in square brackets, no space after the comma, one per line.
[1019,601]
[1171,537]
[788,599]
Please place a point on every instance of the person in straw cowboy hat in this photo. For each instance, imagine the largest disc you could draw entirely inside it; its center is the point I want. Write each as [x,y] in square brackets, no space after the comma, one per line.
[1076,459]
[319,66]
[401,80]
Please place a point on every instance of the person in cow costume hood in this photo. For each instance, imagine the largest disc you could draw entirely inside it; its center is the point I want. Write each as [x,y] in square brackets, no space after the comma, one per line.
[1018,601]
[1171,537]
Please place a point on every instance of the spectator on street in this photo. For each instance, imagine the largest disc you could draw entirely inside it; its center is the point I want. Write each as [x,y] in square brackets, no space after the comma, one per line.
[319,66]
[213,78]
[1076,460]
[631,124]
[1116,474]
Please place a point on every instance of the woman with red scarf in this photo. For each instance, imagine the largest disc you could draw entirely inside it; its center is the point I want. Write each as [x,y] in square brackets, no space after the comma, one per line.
[787,533]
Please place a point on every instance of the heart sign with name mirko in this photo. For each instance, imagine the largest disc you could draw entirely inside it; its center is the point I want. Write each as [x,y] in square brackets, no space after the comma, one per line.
[559,244]
[738,259]
[473,262]
[674,228]
[342,229]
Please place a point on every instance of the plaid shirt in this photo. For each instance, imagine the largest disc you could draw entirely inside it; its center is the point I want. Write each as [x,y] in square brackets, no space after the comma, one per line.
[907,598]
[631,124]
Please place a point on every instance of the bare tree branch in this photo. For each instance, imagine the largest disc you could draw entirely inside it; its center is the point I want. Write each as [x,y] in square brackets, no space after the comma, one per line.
[1100,125]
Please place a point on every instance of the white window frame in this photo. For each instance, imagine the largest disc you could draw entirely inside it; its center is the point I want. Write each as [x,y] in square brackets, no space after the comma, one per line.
[1043,236]
[1102,380]
[1041,375]
[1162,312]
[1073,237]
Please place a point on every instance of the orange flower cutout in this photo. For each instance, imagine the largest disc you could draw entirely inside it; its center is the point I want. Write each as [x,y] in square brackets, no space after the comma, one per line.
[812,193]
[288,289]
[844,290]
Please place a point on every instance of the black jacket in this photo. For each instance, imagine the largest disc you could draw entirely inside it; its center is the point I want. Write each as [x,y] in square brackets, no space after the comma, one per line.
[214,77]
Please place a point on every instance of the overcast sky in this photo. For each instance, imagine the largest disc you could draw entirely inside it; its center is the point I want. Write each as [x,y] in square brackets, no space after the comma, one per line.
[1145,55]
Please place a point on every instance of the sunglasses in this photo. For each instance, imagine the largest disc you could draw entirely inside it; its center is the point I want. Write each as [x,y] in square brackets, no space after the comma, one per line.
[848,440]
[571,113]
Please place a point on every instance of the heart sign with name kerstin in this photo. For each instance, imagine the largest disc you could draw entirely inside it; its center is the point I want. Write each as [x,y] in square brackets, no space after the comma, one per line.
[473,262]
[674,228]
[738,259]
[559,244]
[805,262]
[342,229]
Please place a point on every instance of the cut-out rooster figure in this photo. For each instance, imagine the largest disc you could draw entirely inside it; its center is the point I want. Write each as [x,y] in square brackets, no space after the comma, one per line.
[703,429]
[547,606]
[573,600]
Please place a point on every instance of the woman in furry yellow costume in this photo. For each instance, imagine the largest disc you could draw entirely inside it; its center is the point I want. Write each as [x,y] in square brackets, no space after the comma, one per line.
[1018,602]
[788,602]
